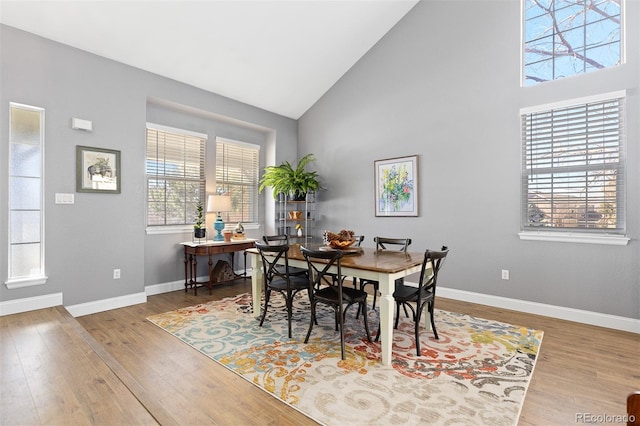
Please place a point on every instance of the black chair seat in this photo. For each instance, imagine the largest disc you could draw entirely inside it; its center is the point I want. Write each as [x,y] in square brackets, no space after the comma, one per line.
[349,295]
[295,282]
[406,293]
[293,270]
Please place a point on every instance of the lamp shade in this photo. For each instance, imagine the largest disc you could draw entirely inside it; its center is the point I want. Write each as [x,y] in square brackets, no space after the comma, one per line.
[219,203]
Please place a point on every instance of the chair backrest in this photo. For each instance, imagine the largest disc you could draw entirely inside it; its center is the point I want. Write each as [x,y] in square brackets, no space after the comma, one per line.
[276,239]
[429,279]
[359,239]
[318,271]
[400,244]
[270,255]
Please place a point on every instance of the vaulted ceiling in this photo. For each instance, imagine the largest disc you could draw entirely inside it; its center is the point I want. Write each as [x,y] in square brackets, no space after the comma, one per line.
[281,56]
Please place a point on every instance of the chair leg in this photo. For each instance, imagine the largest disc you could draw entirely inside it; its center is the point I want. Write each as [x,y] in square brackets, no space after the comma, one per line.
[267,295]
[366,322]
[433,323]
[289,311]
[398,314]
[311,322]
[375,295]
[340,316]
[417,332]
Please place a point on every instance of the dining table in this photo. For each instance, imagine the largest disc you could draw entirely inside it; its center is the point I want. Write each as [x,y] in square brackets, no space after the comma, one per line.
[384,266]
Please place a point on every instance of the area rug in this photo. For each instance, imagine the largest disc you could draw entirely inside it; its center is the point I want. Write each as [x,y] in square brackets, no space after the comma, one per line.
[477,373]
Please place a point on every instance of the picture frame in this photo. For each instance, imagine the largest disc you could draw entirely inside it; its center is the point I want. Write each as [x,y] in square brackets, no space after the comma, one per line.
[97,170]
[396,186]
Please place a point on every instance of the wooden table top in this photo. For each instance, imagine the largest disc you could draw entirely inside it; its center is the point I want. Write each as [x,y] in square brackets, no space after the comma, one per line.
[369,259]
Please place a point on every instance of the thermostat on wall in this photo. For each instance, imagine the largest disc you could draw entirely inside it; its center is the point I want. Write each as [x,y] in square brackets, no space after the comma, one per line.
[80,124]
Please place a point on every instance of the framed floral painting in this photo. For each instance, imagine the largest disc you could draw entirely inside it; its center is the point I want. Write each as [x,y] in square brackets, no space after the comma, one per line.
[396,186]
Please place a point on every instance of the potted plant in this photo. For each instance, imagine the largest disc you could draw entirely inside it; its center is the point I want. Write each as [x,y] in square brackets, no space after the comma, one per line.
[199,228]
[286,179]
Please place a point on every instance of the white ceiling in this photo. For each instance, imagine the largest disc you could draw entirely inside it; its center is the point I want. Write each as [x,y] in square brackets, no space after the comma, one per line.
[281,56]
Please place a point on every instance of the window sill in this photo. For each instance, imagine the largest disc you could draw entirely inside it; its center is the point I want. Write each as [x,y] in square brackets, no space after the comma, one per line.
[181,229]
[177,229]
[25,282]
[567,237]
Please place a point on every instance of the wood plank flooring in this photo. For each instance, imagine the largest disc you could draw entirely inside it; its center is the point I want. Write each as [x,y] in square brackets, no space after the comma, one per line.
[115,367]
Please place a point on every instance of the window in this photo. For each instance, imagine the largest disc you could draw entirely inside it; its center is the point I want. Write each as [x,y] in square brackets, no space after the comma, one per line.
[237,170]
[26,207]
[568,37]
[573,167]
[175,175]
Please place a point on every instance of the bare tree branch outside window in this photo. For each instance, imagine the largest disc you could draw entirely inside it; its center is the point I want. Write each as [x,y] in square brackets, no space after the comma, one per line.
[568,37]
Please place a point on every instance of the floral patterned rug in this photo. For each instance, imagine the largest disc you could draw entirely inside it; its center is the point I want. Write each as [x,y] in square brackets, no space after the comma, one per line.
[477,373]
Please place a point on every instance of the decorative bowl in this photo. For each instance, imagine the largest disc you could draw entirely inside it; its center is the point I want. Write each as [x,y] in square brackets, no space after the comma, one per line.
[295,215]
[341,244]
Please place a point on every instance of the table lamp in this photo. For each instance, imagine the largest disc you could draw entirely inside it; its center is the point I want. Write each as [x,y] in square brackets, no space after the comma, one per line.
[218,203]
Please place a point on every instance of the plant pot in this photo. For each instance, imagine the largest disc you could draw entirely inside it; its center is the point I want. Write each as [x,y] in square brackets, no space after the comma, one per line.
[227,235]
[199,232]
[297,197]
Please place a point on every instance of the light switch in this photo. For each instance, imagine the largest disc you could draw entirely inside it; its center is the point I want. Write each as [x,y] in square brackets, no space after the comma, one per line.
[64,198]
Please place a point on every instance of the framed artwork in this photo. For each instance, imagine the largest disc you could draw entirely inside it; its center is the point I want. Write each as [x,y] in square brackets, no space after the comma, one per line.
[396,186]
[97,170]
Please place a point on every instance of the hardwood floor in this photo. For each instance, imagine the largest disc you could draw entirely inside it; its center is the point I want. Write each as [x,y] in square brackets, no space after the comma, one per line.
[115,367]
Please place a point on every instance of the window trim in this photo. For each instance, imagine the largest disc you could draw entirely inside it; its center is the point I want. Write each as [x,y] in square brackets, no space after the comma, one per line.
[563,235]
[41,278]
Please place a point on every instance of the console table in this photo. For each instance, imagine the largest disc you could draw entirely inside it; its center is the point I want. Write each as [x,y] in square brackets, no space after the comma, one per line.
[209,248]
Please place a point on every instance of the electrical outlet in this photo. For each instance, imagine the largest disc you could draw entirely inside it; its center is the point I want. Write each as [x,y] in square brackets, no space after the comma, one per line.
[505,274]
[116,274]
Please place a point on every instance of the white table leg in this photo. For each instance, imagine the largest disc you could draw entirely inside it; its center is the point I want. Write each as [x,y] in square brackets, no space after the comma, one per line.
[386,318]
[256,282]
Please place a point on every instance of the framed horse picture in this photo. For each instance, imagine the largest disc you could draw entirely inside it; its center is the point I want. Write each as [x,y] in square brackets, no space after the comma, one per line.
[97,170]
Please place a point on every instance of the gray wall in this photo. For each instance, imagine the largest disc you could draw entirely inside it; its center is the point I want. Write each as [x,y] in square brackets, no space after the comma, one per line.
[100,232]
[444,84]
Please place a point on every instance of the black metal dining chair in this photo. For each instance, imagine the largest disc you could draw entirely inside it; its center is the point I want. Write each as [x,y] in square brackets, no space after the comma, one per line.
[424,295]
[385,243]
[278,278]
[332,293]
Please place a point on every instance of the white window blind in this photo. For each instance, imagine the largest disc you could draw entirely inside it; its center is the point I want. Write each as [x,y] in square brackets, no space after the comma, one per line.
[237,169]
[175,169]
[574,167]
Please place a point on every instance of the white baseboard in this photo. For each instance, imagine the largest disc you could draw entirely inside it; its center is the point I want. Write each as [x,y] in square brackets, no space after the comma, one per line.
[150,290]
[570,314]
[178,285]
[30,304]
[106,304]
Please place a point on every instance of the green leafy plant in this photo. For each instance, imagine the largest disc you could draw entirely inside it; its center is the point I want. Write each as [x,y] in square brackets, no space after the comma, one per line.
[199,216]
[289,180]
